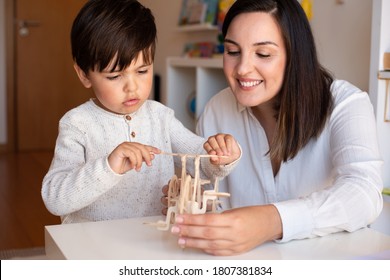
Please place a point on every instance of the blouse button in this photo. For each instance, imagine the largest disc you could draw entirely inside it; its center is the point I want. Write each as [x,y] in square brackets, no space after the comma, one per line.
[133,134]
[128,117]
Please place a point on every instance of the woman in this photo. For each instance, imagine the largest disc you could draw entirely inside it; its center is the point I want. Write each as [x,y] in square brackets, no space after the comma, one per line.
[310,163]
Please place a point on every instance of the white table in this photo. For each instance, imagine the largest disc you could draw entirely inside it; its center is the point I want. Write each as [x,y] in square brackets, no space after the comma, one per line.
[131,239]
[382,223]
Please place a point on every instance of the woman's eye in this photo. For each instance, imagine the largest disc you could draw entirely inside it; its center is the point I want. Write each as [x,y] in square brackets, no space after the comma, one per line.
[233,53]
[262,55]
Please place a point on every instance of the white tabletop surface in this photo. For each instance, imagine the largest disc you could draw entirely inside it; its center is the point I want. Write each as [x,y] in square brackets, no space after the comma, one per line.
[132,239]
[382,223]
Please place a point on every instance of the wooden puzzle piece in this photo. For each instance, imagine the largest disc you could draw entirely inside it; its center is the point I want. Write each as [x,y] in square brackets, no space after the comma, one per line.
[185,194]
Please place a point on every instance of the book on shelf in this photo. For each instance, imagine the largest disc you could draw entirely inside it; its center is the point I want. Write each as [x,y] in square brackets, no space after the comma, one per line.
[192,12]
[211,12]
[198,12]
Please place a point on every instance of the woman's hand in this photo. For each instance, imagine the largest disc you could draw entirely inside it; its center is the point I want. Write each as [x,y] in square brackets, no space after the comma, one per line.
[222,145]
[131,155]
[229,233]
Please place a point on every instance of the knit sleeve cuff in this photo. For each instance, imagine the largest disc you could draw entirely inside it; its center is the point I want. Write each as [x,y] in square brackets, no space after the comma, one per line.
[109,170]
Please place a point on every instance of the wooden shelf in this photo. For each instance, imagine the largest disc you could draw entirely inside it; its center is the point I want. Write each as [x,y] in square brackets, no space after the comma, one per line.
[384,75]
[195,62]
[197,27]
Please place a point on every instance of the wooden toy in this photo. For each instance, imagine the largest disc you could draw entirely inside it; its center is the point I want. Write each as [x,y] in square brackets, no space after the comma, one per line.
[185,194]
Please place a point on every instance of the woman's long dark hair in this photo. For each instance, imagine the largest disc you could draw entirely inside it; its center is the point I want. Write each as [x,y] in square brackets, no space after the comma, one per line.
[305,100]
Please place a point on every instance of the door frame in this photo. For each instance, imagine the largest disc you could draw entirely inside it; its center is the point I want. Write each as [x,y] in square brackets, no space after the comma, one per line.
[11,145]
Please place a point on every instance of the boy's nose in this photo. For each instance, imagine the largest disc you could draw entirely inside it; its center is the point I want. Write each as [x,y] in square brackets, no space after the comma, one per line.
[130,85]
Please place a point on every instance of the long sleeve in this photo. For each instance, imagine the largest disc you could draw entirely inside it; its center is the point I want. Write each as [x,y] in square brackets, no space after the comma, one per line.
[72,182]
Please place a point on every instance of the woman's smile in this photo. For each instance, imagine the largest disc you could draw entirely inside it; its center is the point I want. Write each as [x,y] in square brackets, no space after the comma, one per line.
[249,84]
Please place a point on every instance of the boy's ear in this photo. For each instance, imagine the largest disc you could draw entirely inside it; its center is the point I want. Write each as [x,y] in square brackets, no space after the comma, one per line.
[82,76]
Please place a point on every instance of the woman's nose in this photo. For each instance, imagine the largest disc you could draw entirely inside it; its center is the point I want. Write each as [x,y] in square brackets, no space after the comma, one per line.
[244,65]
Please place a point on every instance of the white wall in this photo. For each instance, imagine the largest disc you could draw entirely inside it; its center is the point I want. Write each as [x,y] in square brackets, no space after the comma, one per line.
[380,43]
[3,111]
[343,35]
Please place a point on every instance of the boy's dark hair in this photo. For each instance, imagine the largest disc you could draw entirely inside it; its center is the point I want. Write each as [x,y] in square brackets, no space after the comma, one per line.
[305,100]
[107,29]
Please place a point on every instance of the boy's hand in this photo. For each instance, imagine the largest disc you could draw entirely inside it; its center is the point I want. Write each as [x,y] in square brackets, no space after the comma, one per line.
[131,155]
[222,145]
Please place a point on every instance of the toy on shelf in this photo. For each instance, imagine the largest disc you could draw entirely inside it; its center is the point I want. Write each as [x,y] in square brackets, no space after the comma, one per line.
[307,7]
[199,49]
[185,193]
[223,8]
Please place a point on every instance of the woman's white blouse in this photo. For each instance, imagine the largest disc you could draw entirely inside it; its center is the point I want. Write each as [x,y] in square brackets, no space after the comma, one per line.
[333,184]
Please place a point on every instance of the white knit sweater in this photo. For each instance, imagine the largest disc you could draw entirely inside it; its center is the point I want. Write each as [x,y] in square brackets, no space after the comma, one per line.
[80,185]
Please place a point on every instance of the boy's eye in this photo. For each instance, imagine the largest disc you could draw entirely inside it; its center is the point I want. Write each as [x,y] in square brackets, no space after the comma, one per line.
[143,71]
[111,78]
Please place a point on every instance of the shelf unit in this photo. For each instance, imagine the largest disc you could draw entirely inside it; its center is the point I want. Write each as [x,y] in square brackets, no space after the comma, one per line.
[188,77]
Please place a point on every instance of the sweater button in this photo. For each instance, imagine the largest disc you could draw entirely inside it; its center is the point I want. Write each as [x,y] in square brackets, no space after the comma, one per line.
[128,117]
[133,134]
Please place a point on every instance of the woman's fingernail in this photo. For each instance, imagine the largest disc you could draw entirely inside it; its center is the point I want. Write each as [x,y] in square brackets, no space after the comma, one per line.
[179,219]
[181,242]
[175,229]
